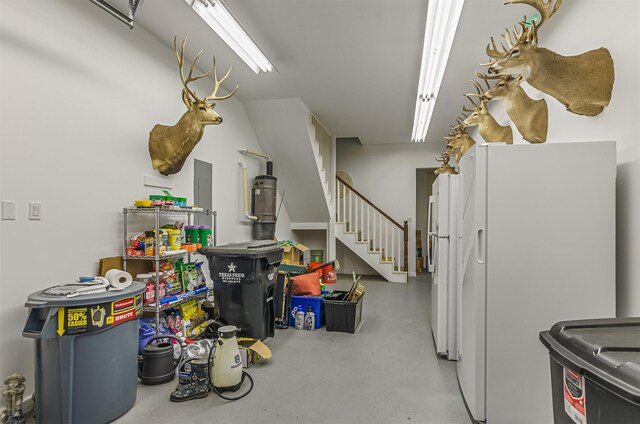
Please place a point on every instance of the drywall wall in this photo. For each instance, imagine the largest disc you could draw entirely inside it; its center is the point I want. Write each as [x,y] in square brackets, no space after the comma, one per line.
[577,27]
[80,92]
[386,175]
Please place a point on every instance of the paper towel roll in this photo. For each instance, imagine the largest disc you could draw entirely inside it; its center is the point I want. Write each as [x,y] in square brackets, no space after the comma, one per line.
[118,279]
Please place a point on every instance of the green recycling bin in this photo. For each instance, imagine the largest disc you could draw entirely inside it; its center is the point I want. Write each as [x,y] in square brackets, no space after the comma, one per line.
[86,354]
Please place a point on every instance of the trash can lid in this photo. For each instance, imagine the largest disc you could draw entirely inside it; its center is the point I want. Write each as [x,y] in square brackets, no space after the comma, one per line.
[251,249]
[41,300]
[605,350]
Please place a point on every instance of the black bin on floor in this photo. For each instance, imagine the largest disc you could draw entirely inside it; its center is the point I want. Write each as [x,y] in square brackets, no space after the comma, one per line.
[340,315]
[244,277]
[595,370]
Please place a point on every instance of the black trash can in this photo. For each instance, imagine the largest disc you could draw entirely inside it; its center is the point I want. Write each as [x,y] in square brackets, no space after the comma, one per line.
[595,370]
[244,277]
[86,354]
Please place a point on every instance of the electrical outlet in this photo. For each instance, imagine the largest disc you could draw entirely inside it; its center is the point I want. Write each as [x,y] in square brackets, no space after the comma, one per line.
[35,210]
[8,209]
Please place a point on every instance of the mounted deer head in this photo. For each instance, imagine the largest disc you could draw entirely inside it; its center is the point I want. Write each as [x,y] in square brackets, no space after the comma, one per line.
[169,146]
[582,83]
[489,128]
[531,117]
[445,168]
[459,142]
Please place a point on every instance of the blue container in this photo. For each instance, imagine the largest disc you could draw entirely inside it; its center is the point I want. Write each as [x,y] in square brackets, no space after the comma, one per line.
[316,306]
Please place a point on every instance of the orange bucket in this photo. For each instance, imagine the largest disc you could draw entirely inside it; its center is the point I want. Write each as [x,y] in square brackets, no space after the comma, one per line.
[329,275]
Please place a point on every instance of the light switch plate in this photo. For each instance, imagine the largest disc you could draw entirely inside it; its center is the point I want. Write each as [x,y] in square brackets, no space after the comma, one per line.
[35,210]
[8,209]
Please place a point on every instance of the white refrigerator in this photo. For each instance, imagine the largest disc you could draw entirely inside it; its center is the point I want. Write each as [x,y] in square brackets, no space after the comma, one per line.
[442,231]
[537,247]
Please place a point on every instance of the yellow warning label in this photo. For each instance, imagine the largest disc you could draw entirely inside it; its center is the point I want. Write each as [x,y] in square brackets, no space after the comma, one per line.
[77,317]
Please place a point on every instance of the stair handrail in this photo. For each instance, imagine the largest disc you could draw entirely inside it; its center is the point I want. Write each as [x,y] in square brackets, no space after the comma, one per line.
[383,213]
[404,228]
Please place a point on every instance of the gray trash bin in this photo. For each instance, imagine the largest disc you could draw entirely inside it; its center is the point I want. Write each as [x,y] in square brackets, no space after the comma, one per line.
[86,353]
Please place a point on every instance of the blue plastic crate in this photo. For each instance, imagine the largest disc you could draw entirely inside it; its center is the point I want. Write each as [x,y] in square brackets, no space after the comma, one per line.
[305,301]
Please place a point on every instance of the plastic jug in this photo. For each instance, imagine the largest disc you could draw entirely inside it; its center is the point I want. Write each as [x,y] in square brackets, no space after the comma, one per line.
[227,363]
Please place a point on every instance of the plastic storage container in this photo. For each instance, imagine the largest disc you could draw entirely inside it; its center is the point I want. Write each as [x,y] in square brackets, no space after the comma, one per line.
[595,370]
[342,316]
[244,277]
[86,354]
[317,256]
[305,301]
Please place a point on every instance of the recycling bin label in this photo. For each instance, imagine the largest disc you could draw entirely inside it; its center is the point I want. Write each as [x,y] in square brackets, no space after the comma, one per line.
[89,319]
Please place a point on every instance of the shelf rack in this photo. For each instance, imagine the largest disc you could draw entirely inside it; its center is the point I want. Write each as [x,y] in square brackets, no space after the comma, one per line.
[157,212]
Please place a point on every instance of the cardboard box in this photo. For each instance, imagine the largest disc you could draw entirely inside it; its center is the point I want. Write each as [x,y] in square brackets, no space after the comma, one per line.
[251,350]
[296,255]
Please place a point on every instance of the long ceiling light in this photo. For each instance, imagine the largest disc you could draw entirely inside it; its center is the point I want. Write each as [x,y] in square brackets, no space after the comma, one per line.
[442,21]
[216,14]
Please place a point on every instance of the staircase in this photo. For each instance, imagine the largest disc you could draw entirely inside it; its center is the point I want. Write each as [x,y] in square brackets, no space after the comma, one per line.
[301,150]
[370,233]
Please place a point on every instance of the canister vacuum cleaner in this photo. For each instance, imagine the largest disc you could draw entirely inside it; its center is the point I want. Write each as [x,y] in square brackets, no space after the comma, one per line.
[263,199]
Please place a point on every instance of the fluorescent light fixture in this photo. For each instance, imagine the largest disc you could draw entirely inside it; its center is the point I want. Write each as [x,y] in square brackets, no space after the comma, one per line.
[442,21]
[216,14]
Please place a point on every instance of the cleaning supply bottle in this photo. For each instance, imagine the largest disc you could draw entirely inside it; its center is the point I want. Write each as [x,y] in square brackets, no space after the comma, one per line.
[227,363]
[309,319]
[299,318]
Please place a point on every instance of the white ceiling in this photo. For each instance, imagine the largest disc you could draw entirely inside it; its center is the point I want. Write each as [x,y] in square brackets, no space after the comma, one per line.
[354,63]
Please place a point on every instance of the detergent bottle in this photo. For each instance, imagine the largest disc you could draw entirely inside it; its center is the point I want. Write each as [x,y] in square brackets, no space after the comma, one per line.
[227,363]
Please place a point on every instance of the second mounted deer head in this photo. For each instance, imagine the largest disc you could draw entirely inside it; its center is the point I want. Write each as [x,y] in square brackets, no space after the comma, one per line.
[582,83]
[531,117]
[170,146]
[445,168]
[490,130]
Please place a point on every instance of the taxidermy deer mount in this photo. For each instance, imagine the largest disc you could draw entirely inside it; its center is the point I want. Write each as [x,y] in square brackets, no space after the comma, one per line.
[169,146]
[445,168]
[459,142]
[582,83]
[489,128]
[531,117]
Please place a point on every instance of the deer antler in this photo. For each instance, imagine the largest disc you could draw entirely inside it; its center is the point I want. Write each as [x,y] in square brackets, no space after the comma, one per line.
[190,78]
[544,7]
[217,84]
[444,157]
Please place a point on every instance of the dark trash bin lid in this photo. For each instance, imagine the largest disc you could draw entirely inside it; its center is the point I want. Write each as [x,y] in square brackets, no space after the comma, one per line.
[250,249]
[606,351]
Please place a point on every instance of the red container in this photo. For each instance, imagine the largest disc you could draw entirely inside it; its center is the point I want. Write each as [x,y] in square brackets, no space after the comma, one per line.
[329,275]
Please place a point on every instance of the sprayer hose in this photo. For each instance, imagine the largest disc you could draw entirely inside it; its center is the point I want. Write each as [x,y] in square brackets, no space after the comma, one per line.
[213,388]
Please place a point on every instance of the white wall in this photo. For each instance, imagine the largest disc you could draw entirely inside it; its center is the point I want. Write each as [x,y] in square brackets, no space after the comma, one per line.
[577,27]
[386,175]
[80,93]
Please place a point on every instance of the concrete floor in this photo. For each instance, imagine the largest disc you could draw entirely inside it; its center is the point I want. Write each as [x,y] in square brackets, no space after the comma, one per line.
[385,373]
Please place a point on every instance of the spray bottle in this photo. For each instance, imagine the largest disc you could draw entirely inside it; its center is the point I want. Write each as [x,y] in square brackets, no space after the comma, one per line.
[299,318]
[309,320]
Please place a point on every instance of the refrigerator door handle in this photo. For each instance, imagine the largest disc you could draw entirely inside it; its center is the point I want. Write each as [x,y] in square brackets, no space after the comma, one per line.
[480,246]
[435,249]
[430,241]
